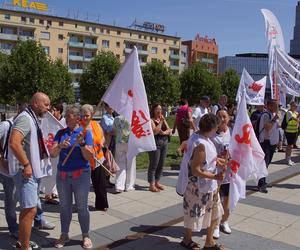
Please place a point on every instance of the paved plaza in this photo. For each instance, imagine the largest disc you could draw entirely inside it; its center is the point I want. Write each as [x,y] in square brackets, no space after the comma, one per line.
[143,220]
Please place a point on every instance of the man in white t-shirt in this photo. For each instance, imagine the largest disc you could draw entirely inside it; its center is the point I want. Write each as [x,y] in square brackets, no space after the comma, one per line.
[201,110]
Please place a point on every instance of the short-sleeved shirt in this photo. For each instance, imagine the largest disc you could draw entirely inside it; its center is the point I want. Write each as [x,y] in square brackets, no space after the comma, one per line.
[122,129]
[4,127]
[107,122]
[22,124]
[76,160]
[198,113]
[182,112]
[273,133]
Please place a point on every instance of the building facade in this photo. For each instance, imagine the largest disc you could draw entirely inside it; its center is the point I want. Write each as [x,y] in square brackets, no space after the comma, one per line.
[204,50]
[295,42]
[255,63]
[76,42]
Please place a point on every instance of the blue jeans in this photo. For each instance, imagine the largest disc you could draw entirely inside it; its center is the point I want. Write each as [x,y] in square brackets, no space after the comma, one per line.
[80,187]
[12,188]
[10,201]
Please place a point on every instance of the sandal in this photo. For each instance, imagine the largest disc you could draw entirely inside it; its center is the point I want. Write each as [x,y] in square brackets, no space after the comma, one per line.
[87,243]
[215,247]
[154,189]
[63,239]
[192,245]
[161,187]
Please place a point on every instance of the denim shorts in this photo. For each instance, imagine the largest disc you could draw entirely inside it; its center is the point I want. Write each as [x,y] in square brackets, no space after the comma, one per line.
[27,190]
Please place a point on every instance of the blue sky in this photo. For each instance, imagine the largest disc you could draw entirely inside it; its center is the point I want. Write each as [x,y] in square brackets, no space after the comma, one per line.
[237,25]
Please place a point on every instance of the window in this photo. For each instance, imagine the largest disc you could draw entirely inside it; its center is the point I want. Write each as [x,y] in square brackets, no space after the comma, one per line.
[101,31]
[165,40]
[87,28]
[61,24]
[7,16]
[175,42]
[165,51]
[130,34]
[164,61]
[151,38]
[140,36]
[31,20]
[145,37]
[47,50]
[60,37]
[60,50]
[49,22]
[154,50]
[76,25]
[118,32]
[94,29]
[118,44]
[156,39]
[108,31]
[105,43]
[118,56]
[23,19]
[41,21]
[45,35]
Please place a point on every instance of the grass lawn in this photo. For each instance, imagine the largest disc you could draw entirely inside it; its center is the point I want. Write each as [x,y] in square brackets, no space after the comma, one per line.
[172,160]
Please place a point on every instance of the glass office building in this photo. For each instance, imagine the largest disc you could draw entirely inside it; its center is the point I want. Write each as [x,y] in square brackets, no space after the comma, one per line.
[295,42]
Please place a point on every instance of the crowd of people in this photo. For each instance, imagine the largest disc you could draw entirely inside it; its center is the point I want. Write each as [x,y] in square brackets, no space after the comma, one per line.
[86,152]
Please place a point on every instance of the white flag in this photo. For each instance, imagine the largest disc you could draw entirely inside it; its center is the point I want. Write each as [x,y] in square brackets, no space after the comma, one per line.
[247,156]
[50,125]
[275,40]
[254,90]
[127,96]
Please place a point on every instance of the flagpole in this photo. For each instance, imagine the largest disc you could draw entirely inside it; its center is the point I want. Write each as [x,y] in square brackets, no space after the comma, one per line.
[84,130]
[110,173]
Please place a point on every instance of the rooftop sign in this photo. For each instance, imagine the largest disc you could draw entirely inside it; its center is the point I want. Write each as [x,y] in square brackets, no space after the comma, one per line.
[25,4]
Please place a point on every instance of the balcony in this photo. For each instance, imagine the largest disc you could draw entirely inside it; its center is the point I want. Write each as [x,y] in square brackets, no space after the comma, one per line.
[75,58]
[5,51]
[76,44]
[90,46]
[87,59]
[174,67]
[25,38]
[11,37]
[174,57]
[140,51]
[76,71]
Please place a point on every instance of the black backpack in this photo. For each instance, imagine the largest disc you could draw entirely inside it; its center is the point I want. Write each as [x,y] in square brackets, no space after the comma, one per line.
[284,122]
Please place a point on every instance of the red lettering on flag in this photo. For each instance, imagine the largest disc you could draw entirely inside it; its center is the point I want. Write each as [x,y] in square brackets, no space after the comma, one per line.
[50,141]
[130,93]
[234,165]
[137,126]
[246,138]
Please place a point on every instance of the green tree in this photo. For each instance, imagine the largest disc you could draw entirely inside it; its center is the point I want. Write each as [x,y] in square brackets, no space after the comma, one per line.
[229,81]
[162,86]
[61,89]
[197,81]
[97,76]
[29,69]
[3,68]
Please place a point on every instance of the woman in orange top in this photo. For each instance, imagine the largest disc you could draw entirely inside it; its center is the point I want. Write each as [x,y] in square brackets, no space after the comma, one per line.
[98,173]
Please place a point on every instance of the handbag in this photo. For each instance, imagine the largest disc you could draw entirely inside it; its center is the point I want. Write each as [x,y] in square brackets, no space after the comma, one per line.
[185,121]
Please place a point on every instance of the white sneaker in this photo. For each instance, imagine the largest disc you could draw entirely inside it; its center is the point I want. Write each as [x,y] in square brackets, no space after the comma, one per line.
[225,228]
[291,163]
[216,234]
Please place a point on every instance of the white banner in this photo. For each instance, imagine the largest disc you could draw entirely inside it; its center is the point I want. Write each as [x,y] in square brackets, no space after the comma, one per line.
[127,96]
[254,90]
[288,73]
[247,156]
[275,40]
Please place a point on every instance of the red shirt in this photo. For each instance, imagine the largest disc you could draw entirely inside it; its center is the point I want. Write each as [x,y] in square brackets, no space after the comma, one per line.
[182,112]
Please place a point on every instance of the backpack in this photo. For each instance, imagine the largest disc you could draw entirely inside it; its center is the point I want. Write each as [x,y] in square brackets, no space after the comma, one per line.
[256,123]
[284,122]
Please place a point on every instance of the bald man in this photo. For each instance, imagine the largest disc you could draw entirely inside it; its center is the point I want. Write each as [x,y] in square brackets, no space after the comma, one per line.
[27,144]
